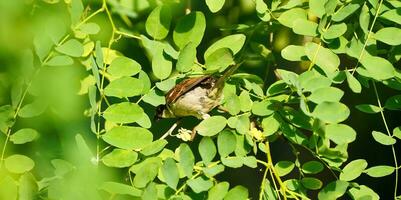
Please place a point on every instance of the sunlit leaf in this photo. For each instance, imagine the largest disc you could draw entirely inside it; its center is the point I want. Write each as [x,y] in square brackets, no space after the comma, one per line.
[18,164]
[158,22]
[186,159]
[60,61]
[331,112]
[215,5]
[119,188]
[322,57]
[233,42]
[367,108]
[130,138]
[311,183]
[211,126]
[219,60]
[200,184]
[312,167]
[335,31]
[218,191]
[226,143]
[120,158]
[353,170]
[123,66]
[237,192]
[207,149]
[329,94]
[124,87]
[125,112]
[24,135]
[170,173]
[284,167]
[293,53]
[72,48]
[389,35]
[190,29]
[333,190]
[383,138]
[288,17]
[345,11]
[340,133]
[186,58]
[379,171]
[305,27]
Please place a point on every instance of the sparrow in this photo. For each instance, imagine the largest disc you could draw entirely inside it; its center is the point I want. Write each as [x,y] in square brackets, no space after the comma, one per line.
[195,96]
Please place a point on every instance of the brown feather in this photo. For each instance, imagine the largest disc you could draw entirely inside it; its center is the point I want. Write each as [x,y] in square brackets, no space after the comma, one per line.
[183,87]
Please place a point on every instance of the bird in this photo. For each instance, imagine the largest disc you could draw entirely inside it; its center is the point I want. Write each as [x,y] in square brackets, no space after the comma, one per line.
[195,96]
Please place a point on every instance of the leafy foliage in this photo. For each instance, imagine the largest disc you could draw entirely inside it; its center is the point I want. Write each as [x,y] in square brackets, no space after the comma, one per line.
[343,47]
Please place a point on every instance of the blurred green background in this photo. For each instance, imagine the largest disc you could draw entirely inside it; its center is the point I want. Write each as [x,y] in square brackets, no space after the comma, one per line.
[64,117]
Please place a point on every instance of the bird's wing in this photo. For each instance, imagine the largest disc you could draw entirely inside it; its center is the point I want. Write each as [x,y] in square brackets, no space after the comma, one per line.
[183,87]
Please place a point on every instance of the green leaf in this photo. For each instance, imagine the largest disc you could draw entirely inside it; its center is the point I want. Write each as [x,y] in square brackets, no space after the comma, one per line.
[124,87]
[150,192]
[154,147]
[288,17]
[383,138]
[312,167]
[207,149]
[364,19]
[18,164]
[245,101]
[353,83]
[99,54]
[340,133]
[344,12]
[393,103]
[331,112]
[186,58]
[239,192]
[77,8]
[158,22]
[200,184]
[311,183]
[293,53]
[233,161]
[24,135]
[144,78]
[123,66]
[233,103]
[61,167]
[211,126]
[392,15]
[90,28]
[213,170]
[215,5]
[329,94]
[270,125]
[353,170]
[377,67]
[43,45]
[218,191]
[120,158]
[284,167]
[262,108]
[119,188]
[389,35]
[72,48]
[144,121]
[335,31]
[363,192]
[28,188]
[379,171]
[219,60]
[146,171]
[190,29]
[154,98]
[324,58]
[305,27]
[333,190]
[170,173]
[8,188]
[33,109]
[233,42]
[397,132]
[124,112]
[130,138]
[367,108]
[317,7]
[186,159]
[60,61]
[161,65]
[226,143]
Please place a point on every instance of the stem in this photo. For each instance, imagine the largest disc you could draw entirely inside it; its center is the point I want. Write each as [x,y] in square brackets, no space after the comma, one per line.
[389,134]
[367,37]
